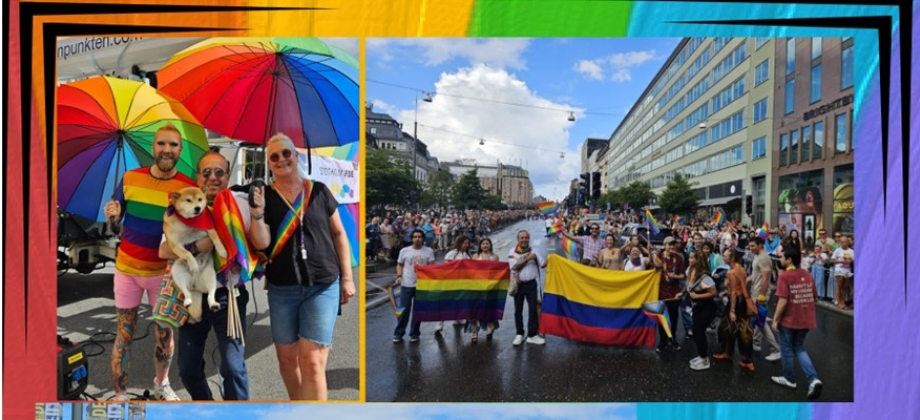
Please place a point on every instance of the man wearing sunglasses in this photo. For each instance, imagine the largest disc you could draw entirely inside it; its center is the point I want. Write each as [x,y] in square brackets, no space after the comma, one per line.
[213,178]
[590,244]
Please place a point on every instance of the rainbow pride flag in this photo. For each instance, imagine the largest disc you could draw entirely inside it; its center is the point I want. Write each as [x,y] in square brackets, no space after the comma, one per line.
[598,306]
[719,218]
[232,232]
[555,228]
[676,220]
[766,227]
[570,247]
[652,223]
[462,289]
[548,208]
[658,312]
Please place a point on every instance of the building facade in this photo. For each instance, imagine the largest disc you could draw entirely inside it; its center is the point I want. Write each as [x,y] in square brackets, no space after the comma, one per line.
[384,132]
[511,183]
[813,155]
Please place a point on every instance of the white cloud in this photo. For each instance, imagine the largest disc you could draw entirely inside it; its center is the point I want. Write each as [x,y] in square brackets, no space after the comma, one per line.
[621,75]
[515,135]
[631,59]
[495,52]
[591,68]
[618,65]
[383,107]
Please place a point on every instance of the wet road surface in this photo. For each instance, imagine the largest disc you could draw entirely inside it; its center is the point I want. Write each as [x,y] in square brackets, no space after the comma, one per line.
[452,368]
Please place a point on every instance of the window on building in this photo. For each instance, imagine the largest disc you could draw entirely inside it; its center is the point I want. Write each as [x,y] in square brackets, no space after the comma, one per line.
[840,130]
[373,130]
[762,72]
[815,83]
[759,148]
[790,56]
[852,139]
[760,110]
[819,140]
[815,48]
[783,150]
[790,96]
[794,148]
[846,68]
[806,143]
[759,42]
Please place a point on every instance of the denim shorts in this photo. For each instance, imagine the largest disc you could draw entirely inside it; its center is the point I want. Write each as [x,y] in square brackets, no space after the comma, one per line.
[308,312]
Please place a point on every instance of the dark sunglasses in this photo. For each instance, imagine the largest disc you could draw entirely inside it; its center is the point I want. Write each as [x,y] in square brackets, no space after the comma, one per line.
[218,173]
[286,153]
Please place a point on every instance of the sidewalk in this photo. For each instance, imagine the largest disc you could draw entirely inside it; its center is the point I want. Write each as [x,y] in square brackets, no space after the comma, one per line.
[829,306]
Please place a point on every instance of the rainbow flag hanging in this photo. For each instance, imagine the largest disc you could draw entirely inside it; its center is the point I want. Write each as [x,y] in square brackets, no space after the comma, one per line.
[652,223]
[599,306]
[719,218]
[397,310]
[548,208]
[658,312]
[232,232]
[462,289]
[570,247]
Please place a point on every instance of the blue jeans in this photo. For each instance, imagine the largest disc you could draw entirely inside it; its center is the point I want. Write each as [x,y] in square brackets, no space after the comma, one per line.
[685,317]
[406,297]
[191,347]
[792,344]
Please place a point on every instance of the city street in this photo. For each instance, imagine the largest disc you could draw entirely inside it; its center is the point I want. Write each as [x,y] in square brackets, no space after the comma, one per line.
[86,308]
[452,368]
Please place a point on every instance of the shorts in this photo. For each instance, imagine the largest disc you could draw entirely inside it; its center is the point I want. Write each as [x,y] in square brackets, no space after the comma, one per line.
[307,312]
[129,289]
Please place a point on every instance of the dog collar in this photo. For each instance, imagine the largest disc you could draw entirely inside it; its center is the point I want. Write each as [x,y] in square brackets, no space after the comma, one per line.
[204,221]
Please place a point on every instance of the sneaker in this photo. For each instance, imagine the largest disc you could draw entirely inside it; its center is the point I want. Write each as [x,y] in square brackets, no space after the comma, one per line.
[757,347]
[720,356]
[397,339]
[701,364]
[695,360]
[658,349]
[814,389]
[675,345]
[163,391]
[781,380]
[772,357]
[536,340]
[413,339]
[746,365]
[518,340]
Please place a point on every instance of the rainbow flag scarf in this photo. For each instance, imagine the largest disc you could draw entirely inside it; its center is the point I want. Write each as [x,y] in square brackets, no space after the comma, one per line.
[397,310]
[548,208]
[598,306]
[232,232]
[658,312]
[570,247]
[462,289]
[291,220]
[719,218]
[652,223]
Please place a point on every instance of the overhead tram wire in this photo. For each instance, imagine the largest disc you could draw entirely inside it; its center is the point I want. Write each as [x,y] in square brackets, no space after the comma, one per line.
[482,139]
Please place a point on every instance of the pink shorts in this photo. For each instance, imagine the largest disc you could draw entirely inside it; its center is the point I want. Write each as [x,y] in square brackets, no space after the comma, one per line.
[129,290]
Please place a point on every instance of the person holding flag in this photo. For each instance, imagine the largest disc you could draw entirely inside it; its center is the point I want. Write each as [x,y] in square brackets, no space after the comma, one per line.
[673,274]
[591,245]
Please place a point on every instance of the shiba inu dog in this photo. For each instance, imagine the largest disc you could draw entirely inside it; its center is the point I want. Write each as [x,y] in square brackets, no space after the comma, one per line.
[187,220]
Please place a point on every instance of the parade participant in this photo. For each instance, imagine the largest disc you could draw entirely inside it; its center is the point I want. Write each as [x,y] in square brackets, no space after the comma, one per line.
[634,243]
[407,278]
[759,287]
[843,259]
[591,245]
[485,253]
[701,289]
[637,262]
[461,251]
[610,256]
[213,177]
[672,274]
[309,274]
[142,198]
[525,265]
[736,322]
[773,241]
[795,315]
[549,222]
[387,237]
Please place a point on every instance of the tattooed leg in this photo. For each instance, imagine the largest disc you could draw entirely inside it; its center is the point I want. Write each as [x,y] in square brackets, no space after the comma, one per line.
[121,350]
[163,355]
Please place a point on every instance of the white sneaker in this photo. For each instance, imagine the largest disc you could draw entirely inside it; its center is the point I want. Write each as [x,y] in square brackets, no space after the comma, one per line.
[772,357]
[701,364]
[781,380]
[164,392]
[518,340]
[695,360]
[536,340]
[757,347]
[814,389]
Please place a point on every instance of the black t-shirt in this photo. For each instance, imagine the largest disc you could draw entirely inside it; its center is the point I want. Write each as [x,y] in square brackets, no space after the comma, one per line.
[287,268]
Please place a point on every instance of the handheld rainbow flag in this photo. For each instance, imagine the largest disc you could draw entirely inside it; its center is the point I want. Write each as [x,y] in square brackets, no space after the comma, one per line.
[555,228]
[397,310]
[548,208]
[766,227]
[652,223]
[676,220]
[462,289]
[599,306]
[232,232]
[658,312]
[719,218]
[570,247]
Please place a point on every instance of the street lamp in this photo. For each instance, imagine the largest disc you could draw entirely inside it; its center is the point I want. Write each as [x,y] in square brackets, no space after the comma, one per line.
[427,98]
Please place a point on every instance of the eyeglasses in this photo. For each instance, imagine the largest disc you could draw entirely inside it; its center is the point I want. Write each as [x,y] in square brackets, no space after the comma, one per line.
[836,236]
[286,153]
[218,173]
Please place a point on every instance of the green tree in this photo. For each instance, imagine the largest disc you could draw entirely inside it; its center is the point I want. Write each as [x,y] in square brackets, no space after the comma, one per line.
[638,194]
[468,192]
[389,179]
[438,190]
[492,202]
[678,197]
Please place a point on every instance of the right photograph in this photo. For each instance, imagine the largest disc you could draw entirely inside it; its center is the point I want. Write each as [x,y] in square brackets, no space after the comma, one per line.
[616,219]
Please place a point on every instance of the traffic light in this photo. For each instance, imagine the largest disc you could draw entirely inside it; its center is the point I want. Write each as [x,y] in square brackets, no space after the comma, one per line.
[585,180]
[595,185]
[749,205]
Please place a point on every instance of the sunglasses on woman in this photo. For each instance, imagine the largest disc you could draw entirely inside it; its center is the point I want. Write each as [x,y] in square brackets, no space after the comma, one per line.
[286,153]
[218,173]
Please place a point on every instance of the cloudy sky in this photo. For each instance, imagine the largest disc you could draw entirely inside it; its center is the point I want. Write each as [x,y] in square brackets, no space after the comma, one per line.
[480,85]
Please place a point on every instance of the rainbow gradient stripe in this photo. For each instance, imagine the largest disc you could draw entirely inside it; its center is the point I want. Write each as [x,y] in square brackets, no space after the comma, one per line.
[719,218]
[570,247]
[652,223]
[462,289]
[658,312]
[548,208]
[232,232]
[290,222]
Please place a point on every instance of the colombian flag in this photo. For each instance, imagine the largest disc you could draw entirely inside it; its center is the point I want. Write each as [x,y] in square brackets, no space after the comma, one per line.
[598,306]
[462,289]
[548,208]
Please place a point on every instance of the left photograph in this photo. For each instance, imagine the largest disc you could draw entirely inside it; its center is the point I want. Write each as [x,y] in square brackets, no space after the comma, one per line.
[208,211]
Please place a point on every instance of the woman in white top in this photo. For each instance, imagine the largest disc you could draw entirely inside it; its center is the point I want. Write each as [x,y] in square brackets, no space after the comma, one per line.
[461,251]
[486,254]
[638,262]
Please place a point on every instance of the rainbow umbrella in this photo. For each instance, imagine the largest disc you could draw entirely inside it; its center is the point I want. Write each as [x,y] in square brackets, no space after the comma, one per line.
[106,127]
[251,88]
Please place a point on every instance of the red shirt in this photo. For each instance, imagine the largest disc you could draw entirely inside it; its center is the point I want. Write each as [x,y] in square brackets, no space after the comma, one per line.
[673,263]
[798,287]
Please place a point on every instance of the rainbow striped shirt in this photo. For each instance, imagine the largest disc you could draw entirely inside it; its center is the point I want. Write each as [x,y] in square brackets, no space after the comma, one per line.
[143,201]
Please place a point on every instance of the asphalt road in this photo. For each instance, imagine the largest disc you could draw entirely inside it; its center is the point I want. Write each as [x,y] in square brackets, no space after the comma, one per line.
[86,309]
[452,368]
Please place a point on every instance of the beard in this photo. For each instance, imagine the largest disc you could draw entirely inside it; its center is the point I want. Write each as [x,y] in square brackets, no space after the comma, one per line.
[165,164]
